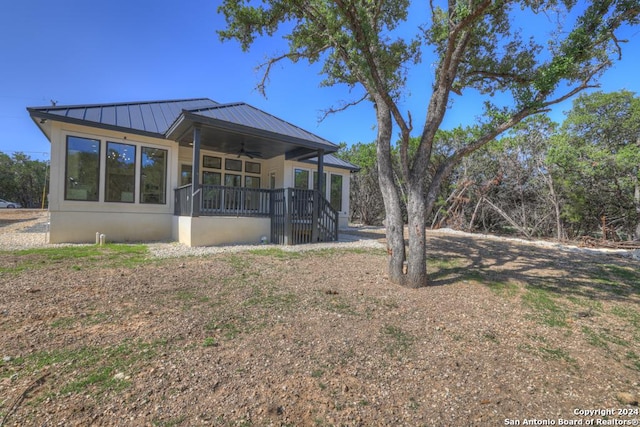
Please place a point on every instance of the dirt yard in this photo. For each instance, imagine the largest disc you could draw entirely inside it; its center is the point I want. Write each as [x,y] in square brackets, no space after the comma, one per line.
[506,332]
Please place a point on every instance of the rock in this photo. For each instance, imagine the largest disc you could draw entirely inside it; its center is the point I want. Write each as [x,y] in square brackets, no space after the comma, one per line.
[119,376]
[636,254]
[627,398]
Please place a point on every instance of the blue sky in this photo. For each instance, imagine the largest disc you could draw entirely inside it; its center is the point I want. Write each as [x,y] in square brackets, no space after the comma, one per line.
[87,52]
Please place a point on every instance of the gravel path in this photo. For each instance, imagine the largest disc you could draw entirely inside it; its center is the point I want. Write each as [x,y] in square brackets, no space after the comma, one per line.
[24,229]
[29,229]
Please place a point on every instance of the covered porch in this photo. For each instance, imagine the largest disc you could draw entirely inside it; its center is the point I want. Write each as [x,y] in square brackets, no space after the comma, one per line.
[207,213]
[294,216]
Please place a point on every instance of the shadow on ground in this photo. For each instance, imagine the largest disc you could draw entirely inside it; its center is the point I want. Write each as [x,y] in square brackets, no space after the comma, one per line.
[566,272]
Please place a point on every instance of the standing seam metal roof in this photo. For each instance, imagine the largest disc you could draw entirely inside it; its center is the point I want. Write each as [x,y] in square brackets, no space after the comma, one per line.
[156,117]
[150,116]
[249,116]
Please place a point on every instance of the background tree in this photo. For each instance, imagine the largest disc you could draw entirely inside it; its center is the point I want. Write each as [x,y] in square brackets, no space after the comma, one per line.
[22,179]
[366,202]
[598,157]
[478,46]
[519,189]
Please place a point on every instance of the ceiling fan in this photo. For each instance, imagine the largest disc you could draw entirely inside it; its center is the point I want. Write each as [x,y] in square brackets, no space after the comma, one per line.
[249,154]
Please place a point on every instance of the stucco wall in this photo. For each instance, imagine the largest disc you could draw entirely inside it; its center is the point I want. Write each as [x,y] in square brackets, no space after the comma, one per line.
[78,221]
[212,231]
[81,227]
[57,203]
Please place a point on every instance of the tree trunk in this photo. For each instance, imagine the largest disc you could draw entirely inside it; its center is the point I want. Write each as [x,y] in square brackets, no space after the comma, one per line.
[393,222]
[416,276]
[636,201]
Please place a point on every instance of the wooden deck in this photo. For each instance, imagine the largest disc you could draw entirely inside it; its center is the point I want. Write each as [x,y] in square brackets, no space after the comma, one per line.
[297,216]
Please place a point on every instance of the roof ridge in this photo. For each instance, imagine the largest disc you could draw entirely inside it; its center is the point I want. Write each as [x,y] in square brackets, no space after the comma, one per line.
[117,104]
[215,107]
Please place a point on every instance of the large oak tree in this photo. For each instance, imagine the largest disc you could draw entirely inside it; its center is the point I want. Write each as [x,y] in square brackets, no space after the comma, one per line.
[471,45]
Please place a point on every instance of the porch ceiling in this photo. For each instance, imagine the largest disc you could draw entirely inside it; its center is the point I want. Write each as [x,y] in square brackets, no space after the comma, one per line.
[225,137]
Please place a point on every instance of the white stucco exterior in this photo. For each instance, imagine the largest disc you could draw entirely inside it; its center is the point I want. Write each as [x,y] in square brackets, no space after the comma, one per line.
[220,230]
[78,221]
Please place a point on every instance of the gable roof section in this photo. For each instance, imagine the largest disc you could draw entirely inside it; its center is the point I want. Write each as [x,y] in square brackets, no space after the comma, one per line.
[148,118]
[246,115]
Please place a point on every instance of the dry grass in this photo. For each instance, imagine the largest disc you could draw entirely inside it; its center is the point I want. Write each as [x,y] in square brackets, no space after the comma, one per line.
[112,337]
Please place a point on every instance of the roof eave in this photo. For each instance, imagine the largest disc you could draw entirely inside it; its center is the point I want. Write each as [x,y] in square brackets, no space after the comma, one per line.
[352,168]
[41,115]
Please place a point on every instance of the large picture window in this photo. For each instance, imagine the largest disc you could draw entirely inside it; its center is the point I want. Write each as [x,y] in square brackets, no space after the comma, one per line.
[336,192]
[121,172]
[153,175]
[82,178]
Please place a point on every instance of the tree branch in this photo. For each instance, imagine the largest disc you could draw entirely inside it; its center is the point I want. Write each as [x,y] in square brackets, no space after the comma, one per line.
[343,107]
[292,56]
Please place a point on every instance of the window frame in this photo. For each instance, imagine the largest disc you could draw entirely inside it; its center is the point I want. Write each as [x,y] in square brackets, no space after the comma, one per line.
[257,170]
[339,209]
[98,169]
[295,173]
[229,162]
[211,162]
[133,177]
[166,170]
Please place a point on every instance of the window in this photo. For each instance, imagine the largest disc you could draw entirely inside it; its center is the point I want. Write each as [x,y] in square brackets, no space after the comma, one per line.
[82,177]
[233,165]
[185,175]
[211,162]
[153,175]
[336,192]
[252,167]
[211,178]
[324,182]
[301,179]
[211,195]
[252,198]
[272,180]
[251,182]
[231,180]
[121,172]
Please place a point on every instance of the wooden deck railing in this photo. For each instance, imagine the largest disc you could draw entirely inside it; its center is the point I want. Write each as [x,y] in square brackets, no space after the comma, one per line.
[302,216]
[183,200]
[297,216]
[235,201]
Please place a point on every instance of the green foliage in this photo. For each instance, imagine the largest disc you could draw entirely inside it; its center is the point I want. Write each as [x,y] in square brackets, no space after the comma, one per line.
[476,45]
[22,180]
[597,153]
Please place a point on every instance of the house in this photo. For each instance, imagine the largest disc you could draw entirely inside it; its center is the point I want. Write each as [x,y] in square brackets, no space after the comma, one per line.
[193,171]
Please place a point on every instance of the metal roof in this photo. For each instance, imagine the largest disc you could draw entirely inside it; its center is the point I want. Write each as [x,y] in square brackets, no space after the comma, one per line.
[227,124]
[336,162]
[246,115]
[149,117]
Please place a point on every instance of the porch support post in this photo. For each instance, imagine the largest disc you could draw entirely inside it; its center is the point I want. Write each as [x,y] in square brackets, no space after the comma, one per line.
[195,173]
[320,183]
[315,226]
[288,233]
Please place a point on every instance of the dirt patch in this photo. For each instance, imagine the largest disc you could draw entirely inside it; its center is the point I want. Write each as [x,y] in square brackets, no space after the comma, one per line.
[110,336]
